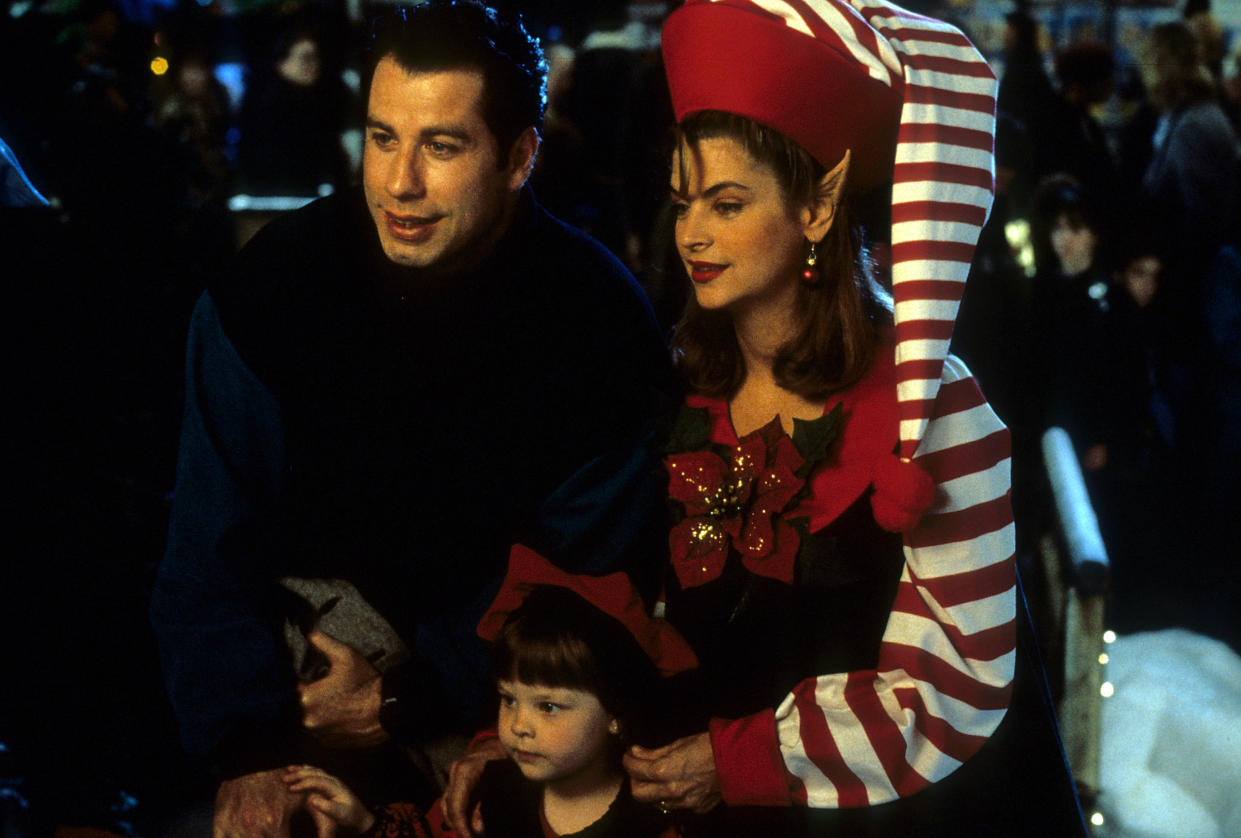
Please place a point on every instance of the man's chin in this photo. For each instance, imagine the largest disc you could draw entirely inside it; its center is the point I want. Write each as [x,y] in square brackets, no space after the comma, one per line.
[406,256]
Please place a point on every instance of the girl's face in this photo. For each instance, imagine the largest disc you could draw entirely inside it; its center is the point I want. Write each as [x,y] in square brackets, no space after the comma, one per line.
[742,245]
[554,733]
[1074,245]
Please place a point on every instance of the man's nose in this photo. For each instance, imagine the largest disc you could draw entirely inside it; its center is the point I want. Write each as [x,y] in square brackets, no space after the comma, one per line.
[406,178]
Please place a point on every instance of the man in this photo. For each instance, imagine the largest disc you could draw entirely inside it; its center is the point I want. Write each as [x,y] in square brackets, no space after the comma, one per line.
[393,386]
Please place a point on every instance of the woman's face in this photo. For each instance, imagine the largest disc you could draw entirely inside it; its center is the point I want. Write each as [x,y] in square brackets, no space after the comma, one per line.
[1074,245]
[741,243]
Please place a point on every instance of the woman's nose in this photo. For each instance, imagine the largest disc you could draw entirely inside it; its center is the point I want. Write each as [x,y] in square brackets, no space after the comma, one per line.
[691,234]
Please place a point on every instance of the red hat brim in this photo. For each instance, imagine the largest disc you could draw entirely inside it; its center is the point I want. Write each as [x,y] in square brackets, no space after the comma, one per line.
[740,61]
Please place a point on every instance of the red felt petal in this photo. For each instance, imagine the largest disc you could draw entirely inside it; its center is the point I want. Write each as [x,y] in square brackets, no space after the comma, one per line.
[698,554]
[780,562]
[694,477]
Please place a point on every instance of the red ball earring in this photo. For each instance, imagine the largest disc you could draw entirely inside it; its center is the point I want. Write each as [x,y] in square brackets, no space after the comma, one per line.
[809,275]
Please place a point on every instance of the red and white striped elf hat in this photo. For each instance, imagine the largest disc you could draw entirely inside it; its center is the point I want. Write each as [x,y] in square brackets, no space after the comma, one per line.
[912,99]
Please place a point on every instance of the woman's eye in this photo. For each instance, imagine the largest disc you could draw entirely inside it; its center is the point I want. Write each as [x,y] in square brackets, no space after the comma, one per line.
[728,207]
[680,209]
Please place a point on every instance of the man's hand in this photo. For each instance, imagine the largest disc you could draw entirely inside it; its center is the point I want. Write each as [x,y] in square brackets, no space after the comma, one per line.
[681,775]
[254,806]
[341,709]
[460,811]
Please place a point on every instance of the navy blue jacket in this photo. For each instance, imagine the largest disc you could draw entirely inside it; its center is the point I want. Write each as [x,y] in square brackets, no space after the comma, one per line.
[349,418]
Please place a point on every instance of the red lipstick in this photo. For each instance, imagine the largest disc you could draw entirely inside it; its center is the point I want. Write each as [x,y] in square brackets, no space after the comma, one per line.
[702,272]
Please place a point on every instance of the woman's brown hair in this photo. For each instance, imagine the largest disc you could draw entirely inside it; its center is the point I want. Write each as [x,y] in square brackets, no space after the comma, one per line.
[841,313]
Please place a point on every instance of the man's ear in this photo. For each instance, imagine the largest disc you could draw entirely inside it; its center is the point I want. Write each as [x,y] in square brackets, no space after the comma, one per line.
[818,215]
[521,158]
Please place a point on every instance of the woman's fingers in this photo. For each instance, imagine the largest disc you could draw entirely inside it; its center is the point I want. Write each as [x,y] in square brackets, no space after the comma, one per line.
[680,775]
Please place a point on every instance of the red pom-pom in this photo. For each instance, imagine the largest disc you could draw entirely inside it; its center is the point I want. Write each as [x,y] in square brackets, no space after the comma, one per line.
[903,491]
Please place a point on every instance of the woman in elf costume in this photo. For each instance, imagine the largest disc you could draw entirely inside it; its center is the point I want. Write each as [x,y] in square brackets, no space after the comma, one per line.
[843,556]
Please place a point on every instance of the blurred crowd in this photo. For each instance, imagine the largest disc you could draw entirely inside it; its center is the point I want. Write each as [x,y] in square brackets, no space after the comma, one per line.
[1105,298]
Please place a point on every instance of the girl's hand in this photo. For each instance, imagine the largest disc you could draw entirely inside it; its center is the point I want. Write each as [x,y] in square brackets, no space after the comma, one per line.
[329,801]
[681,775]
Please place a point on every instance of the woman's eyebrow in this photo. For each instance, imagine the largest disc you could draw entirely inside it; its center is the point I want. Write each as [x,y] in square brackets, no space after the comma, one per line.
[712,190]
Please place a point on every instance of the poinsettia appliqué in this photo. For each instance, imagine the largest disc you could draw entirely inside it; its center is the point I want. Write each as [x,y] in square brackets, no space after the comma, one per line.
[734,499]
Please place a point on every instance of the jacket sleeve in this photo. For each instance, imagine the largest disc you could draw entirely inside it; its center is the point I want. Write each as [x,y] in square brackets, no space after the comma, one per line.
[211,607]
[946,660]
[610,515]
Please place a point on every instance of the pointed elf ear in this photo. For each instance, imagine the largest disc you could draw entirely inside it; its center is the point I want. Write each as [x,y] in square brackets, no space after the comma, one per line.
[818,215]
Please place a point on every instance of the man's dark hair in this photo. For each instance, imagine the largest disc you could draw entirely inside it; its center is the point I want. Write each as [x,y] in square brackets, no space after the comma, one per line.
[461,34]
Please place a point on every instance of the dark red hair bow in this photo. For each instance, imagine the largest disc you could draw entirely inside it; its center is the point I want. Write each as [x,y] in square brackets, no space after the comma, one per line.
[613,594]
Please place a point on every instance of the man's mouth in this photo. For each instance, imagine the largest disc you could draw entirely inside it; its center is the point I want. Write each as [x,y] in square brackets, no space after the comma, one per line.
[411,228]
[702,272]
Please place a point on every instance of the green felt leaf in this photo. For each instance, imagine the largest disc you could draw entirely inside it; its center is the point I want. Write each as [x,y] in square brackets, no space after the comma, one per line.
[691,431]
[814,437]
[818,564]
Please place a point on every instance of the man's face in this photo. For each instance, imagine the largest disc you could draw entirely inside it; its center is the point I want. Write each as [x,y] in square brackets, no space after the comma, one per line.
[430,169]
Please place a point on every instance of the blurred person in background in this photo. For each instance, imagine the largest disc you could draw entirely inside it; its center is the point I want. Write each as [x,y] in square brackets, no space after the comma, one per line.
[1073,140]
[1193,185]
[1193,179]
[1090,369]
[293,119]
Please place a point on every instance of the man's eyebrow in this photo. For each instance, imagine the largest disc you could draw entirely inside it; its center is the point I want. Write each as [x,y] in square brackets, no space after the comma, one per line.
[375,122]
[456,132]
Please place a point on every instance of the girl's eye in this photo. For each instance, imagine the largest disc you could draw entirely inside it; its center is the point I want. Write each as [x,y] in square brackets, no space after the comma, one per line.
[507,701]
[549,708]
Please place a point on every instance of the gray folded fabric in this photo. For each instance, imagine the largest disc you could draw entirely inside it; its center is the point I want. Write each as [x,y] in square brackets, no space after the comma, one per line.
[339,611]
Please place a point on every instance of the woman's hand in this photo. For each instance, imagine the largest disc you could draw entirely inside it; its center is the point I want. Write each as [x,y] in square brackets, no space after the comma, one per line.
[329,801]
[460,810]
[681,775]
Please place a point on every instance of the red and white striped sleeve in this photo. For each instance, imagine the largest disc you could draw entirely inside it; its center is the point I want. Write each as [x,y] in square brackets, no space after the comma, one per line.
[946,660]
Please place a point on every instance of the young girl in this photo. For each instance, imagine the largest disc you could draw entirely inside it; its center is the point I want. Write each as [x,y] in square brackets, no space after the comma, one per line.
[577,663]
